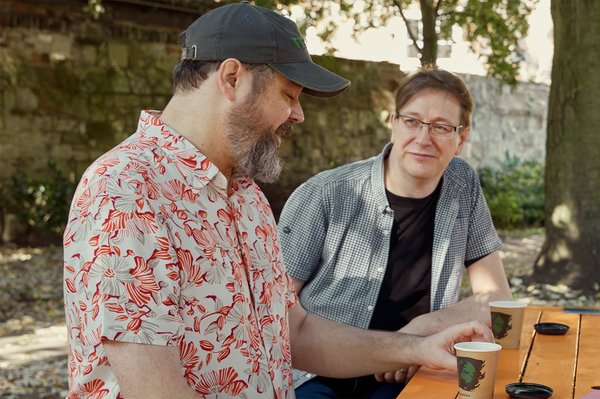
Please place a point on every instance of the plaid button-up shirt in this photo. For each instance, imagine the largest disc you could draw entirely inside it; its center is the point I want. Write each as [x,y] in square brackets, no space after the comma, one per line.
[335,235]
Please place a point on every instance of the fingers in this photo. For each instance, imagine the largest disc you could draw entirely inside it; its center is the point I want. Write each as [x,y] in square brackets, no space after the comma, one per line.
[439,347]
[390,376]
[483,333]
[472,331]
[398,377]
[412,370]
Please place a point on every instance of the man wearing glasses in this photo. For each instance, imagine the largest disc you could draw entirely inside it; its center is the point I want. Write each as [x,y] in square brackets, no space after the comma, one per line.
[383,243]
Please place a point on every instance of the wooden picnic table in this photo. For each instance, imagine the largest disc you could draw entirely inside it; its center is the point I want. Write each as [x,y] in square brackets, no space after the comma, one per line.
[569,364]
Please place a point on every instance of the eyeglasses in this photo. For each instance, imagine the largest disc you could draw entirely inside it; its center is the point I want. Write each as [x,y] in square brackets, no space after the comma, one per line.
[439,130]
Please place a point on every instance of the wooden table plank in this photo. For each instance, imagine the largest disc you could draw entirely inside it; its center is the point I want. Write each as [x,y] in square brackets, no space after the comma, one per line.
[588,362]
[428,383]
[507,371]
[552,361]
[532,316]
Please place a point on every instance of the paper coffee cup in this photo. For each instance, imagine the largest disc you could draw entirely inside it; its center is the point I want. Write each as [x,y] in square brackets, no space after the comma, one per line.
[507,322]
[477,362]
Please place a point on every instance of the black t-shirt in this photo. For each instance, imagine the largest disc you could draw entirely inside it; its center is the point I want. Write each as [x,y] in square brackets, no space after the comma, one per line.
[405,292]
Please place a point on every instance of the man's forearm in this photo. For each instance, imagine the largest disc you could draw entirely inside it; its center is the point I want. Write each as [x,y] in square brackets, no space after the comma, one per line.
[474,307]
[337,350]
[321,346]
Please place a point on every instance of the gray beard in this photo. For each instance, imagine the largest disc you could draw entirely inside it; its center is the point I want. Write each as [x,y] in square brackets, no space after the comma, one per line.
[261,161]
[255,147]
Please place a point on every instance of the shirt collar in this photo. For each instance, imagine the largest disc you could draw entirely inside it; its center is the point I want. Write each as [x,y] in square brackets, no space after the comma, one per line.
[378,178]
[195,167]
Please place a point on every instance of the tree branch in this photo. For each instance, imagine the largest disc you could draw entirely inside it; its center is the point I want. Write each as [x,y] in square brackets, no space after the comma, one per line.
[436,9]
[406,23]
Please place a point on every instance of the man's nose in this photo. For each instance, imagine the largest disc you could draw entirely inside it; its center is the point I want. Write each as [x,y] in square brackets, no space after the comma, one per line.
[297,115]
[424,135]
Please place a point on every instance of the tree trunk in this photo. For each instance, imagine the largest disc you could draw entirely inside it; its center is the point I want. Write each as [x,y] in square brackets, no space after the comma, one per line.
[571,252]
[428,18]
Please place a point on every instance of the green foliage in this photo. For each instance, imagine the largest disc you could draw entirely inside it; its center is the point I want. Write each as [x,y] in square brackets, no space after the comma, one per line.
[41,204]
[492,27]
[515,193]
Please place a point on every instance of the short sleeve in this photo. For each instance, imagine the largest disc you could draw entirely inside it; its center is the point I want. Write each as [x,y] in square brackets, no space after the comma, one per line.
[121,273]
[292,296]
[302,229]
[483,238]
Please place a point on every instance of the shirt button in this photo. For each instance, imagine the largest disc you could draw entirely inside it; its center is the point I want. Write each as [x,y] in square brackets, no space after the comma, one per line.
[370,307]
[380,269]
[309,375]
[286,230]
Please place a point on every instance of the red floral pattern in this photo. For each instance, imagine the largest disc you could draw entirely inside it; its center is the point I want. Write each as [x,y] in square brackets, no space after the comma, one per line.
[159,251]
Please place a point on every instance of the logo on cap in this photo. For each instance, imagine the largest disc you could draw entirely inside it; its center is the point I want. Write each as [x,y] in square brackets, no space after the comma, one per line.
[299,42]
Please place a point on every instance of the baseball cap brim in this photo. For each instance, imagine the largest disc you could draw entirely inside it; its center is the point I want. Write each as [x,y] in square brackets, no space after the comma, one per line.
[316,80]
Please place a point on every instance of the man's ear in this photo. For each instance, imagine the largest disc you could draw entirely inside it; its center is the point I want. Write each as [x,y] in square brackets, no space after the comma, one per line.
[392,118]
[392,123]
[228,77]
[463,135]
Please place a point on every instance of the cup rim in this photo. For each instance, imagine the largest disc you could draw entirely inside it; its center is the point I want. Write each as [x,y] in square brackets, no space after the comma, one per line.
[508,304]
[476,346]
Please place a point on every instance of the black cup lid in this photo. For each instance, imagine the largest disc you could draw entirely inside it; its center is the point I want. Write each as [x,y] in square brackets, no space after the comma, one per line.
[551,328]
[528,390]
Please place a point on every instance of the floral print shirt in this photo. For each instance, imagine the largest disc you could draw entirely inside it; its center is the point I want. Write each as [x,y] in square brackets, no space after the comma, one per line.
[160,250]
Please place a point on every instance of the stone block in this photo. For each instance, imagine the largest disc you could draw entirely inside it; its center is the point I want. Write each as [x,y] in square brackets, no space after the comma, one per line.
[61,47]
[25,100]
[140,85]
[88,54]
[118,54]
[61,153]
[65,125]
[8,100]
[82,156]
[119,83]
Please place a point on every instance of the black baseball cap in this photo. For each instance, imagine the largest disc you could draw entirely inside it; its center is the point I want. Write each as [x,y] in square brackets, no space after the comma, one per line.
[257,35]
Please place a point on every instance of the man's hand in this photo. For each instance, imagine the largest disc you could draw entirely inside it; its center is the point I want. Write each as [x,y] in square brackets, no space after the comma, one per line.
[437,350]
[421,325]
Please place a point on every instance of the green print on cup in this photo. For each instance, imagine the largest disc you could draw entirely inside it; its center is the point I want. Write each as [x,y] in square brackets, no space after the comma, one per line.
[470,373]
[501,324]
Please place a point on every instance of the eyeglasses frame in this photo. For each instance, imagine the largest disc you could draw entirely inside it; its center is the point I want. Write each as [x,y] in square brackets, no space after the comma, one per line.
[455,129]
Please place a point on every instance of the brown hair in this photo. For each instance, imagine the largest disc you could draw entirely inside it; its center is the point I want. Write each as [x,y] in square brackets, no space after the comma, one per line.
[189,74]
[436,79]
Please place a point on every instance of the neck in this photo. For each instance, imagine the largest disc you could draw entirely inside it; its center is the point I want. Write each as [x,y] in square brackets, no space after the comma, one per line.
[200,121]
[407,186]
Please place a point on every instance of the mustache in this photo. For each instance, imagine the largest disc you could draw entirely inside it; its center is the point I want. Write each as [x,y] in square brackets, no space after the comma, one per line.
[285,129]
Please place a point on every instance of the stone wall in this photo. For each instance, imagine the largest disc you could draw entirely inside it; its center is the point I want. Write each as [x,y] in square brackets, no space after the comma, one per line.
[506,121]
[71,88]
